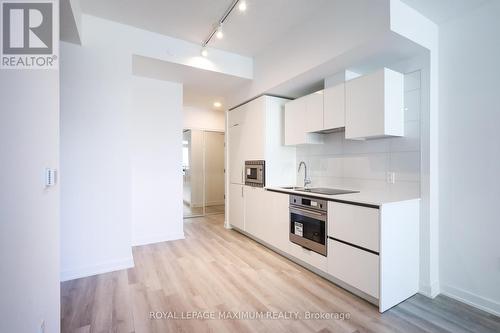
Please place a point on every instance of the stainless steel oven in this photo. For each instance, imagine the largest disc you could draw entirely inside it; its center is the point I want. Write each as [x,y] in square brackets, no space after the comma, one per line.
[308,223]
[255,173]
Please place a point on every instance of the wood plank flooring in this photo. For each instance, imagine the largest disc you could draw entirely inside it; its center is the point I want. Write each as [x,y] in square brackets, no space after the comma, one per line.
[217,271]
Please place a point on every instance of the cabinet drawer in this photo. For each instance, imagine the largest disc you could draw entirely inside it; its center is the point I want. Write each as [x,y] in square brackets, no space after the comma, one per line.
[355,267]
[312,258]
[354,224]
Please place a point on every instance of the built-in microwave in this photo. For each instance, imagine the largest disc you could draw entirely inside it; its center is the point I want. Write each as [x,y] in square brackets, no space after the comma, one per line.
[255,173]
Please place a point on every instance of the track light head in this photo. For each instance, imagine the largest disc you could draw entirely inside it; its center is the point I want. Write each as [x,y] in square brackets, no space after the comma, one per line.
[242,6]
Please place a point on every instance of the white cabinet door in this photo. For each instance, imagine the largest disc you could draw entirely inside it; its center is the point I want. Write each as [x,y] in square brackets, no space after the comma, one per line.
[236,206]
[355,267]
[235,117]
[354,224]
[334,107]
[298,123]
[314,112]
[255,212]
[374,105]
[254,129]
[266,216]
[236,160]
[276,220]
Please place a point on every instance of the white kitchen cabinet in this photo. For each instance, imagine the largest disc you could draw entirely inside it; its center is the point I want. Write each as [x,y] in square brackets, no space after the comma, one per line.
[374,105]
[236,117]
[375,250]
[255,212]
[236,144]
[276,220]
[314,112]
[266,216]
[299,123]
[354,224]
[267,219]
[355,267]
[236,160]
[334,107]
[255,132]
[237,207]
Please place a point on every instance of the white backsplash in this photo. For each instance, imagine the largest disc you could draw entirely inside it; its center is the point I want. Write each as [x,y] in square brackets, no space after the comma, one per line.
[366,164]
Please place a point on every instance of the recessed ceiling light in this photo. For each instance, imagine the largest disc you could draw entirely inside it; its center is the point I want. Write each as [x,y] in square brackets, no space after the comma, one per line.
[204,52]
[242,6]
[217,104]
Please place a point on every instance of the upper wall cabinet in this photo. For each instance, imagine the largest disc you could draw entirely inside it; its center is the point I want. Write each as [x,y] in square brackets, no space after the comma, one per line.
[334,107]
[374,105]
[303,116]
[314,112]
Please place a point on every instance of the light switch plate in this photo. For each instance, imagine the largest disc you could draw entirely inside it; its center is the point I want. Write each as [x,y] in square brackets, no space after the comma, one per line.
[50,177]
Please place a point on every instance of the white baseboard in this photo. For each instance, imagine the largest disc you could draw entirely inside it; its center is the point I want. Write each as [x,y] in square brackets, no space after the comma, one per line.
[430,290]
[155,238]
[107,267]
[480,302]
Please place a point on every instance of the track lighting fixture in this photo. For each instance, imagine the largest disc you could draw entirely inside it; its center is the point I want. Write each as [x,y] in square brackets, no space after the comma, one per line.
[217,31]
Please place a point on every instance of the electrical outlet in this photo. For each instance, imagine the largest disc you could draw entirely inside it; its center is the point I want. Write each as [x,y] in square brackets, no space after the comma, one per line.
[391,177]
[42,326]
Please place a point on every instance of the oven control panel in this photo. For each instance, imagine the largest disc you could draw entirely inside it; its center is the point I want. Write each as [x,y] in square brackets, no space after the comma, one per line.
[307,202]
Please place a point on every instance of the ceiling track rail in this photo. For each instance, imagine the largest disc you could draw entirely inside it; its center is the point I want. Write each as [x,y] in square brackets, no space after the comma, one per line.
[221,22]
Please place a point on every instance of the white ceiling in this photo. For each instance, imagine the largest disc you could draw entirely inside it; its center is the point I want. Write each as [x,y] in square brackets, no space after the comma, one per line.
[201,88]
[440,11]
[192,20]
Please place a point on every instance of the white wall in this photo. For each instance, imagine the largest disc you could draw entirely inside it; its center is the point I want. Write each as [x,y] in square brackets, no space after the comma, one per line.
[196,118]
[470,157]
[29,213]
[95,161]
[365,164]
[119,133]
[156,157]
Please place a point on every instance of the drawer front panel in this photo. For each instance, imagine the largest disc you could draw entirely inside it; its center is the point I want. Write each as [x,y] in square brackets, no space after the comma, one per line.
[355,267]
[354,224]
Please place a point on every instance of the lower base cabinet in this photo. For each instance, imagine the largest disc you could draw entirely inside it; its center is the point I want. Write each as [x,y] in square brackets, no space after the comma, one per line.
[266,216]
[236,206]
[354,266]
[386,278]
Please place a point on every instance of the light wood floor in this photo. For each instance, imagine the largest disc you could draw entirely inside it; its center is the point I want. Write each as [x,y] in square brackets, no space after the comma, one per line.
[218,270]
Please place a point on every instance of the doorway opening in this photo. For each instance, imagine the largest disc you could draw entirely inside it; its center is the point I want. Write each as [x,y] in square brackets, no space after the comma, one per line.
[203,172]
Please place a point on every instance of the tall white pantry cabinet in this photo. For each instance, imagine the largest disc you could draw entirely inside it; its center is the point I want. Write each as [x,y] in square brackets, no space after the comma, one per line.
[255,132]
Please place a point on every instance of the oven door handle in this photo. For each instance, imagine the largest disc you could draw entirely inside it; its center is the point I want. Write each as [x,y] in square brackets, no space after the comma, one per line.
[308,213]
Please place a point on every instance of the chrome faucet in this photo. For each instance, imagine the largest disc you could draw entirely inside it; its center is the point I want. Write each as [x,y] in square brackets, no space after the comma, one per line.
[307,181]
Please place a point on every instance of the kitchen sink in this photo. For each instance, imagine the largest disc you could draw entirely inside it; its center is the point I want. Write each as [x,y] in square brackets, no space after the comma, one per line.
[320,190]
[296,188]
